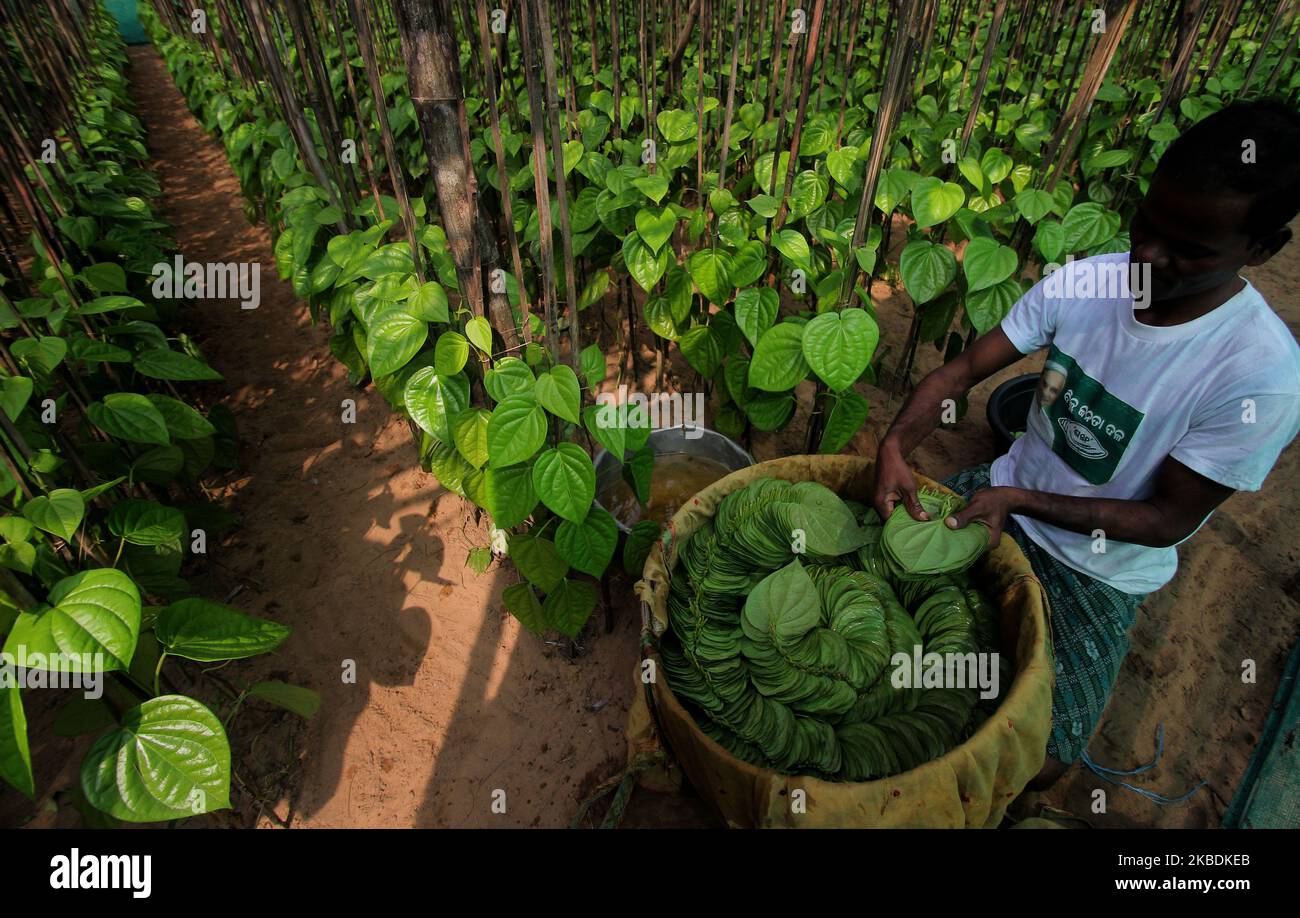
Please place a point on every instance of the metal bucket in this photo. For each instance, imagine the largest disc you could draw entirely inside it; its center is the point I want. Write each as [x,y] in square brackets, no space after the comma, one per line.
[692,441]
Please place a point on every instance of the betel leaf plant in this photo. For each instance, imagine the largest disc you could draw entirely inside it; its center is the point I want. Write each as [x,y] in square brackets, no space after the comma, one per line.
[105,437]
[720,185]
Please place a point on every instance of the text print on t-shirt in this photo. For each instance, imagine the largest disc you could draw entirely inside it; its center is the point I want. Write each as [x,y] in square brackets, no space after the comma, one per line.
[1088,426]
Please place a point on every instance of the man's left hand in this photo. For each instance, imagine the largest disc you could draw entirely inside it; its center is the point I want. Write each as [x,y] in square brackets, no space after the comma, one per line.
[989,506]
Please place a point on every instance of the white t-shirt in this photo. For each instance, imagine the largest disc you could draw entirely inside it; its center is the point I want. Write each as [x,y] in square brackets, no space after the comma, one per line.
[1221,394]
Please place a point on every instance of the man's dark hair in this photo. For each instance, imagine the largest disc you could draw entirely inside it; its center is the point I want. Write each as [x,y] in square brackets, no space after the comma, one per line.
[1209,157]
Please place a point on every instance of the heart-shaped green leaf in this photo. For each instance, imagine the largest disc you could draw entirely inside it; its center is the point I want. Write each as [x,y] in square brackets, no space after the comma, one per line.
[60,512]
[645,266]
[168,759]
[129,416]
[569,605]
[559,392]
[516,430]
[588,546]
[987,263]
[779,363]
[538,560]
[927,268]
[566,481]
[838,346]
[469,432]
[393,339]
[432,400]
[934,201]
[711,270]
[450,353]
[143,522]
[756,310]
[509,493]
[655,228]
[94,612]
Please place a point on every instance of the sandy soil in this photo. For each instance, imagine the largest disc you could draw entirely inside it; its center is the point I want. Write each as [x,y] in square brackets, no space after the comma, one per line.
[364,556]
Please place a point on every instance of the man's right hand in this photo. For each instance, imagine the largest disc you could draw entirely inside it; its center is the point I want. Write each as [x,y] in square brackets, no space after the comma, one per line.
[895,483]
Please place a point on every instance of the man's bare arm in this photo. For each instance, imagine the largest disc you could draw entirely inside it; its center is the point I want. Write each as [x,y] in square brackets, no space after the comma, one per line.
[921,412]
[1180,503]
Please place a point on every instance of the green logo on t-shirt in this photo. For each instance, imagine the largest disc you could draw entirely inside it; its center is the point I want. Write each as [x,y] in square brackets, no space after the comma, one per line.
[1090,427]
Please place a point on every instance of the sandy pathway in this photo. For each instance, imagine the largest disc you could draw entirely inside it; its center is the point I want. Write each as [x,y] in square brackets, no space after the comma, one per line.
[347,541]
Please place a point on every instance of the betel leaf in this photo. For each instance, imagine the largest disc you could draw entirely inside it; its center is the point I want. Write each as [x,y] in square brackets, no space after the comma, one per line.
[986,263]
[433,400]
[710,269]
[509,376]
[183,422]
[756,310]
[916,548]
[986,308]
[516,431]
[702,349]
[566,481]
[655,228]
[168,759]
[59,513]
[927,268]
[637,546]
[846,419]
[295,698]
[778,363]
[105,277]
[588,545]
[129,416]
[479,332]
[638,470]
[162,363]
[538,560]
[93,612]
[429,302]
[934,201]
[509,493]
[523,604]
[644,264]
[1033,204]
[42,354]
[392,339]
[15,755]
[606,422]
[469,433]
[592,362]
[198,629]
[144,522]
[560,393]
[838,346]
[793,245]
[1087,225]
[450,353]
[15,393]
[569,605]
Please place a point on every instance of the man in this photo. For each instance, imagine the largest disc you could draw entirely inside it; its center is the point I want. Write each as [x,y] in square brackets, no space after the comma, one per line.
[1151,413]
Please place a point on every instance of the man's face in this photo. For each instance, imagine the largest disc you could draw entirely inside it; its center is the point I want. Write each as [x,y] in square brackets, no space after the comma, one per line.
[1049,387]
[1194,241]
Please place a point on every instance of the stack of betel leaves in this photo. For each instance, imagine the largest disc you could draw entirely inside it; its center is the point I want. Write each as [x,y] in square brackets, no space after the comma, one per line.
[784,618]
[923,548]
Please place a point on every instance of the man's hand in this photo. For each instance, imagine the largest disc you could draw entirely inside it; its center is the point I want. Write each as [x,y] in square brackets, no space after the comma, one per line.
[989,506]
[895,483]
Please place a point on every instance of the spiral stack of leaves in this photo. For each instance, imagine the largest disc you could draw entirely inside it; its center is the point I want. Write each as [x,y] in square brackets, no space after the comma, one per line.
[785,657]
